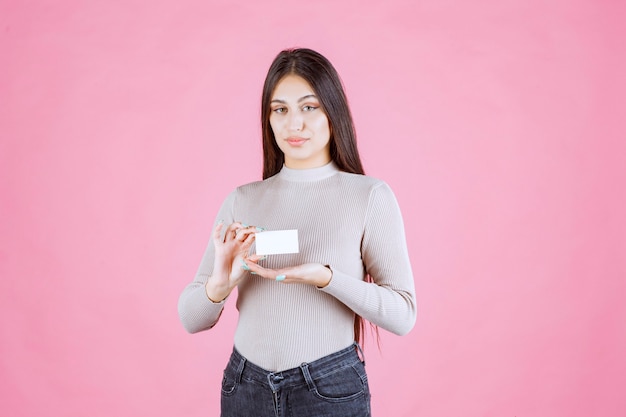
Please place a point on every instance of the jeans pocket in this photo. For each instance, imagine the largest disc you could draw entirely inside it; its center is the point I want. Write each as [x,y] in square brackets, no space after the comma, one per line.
[229,383]
[344,384]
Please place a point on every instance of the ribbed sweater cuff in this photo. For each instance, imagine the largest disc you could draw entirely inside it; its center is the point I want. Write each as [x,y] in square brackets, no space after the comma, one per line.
[339,285]
[205,312]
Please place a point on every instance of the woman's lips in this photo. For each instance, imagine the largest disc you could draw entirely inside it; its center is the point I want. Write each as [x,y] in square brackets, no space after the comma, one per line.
[296,141]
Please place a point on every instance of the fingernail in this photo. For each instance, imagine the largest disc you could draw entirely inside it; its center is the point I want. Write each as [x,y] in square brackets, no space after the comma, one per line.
[260,229]
[262,258]
[221,221]
[254,273]
[280,277]
[244,224]
[244,266]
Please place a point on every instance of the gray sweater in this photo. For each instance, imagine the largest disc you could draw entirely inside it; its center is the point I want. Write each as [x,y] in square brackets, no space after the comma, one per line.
[347,221]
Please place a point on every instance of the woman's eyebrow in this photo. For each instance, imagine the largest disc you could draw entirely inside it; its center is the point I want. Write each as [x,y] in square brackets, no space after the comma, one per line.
[301,99]
[306,97]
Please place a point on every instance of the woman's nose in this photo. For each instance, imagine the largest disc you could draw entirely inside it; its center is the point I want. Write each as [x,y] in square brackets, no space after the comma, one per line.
[296,121]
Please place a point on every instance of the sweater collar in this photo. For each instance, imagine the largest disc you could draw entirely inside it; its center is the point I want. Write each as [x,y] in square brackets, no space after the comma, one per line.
[312,174]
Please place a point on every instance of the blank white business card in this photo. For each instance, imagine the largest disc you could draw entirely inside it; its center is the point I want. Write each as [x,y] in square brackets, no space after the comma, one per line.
[277,242]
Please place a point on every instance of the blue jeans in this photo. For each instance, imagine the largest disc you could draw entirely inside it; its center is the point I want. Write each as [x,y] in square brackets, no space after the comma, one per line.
[335,385]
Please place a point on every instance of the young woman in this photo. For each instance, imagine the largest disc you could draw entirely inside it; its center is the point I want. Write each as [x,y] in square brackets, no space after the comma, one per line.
[300,315]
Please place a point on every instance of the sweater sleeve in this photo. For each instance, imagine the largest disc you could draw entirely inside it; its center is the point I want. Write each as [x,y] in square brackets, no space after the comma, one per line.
[388,301]
[195,310]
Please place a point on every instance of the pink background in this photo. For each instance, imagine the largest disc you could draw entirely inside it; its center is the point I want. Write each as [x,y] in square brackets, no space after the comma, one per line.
[499,124]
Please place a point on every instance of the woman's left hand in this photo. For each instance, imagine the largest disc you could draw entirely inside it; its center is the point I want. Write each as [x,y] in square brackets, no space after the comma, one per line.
[312,274]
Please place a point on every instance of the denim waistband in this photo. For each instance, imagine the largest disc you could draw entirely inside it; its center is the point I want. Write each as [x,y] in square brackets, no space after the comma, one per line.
[304,374]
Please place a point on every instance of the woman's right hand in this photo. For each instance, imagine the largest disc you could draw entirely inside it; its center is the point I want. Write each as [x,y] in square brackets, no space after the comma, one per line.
[230,251]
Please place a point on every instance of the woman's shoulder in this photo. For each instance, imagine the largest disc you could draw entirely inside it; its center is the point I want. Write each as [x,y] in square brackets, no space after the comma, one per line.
[254,186]
[361,180]
[371,188]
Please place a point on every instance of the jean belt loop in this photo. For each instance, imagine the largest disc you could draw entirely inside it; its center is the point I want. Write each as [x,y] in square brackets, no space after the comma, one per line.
[307,376]
[242,364]
[360,351]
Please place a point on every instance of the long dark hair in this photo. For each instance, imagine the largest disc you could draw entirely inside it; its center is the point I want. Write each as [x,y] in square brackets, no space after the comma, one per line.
[325,82]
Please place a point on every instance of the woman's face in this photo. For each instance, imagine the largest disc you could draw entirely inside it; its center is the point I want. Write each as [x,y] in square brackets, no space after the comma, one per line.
[299,124]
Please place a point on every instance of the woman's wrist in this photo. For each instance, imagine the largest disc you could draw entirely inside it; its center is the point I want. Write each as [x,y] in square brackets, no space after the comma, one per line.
[216,294]
[326,280]
[217,287]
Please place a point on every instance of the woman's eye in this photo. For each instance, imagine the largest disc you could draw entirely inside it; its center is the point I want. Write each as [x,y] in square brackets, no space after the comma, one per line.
[309,108]
[279,110]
